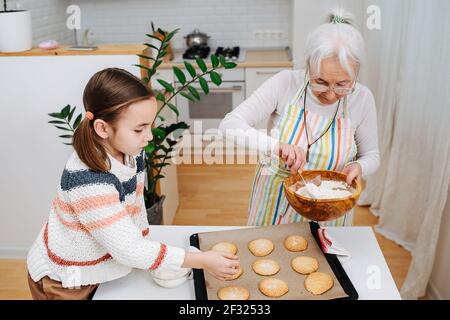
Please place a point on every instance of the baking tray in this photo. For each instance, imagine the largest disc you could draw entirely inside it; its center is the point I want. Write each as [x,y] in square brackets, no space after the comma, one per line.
[348,290]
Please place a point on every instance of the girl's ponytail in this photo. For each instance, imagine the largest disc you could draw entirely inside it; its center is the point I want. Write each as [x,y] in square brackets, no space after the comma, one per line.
[88,147]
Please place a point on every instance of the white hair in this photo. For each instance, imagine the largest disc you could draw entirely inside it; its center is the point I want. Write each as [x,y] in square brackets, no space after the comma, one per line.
[336,39]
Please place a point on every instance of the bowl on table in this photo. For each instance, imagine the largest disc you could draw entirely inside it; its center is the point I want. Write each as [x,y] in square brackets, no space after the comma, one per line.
[320,209]
[171,278]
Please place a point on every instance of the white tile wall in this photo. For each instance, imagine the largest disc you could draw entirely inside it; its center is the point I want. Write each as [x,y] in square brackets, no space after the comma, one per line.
[48,18]
[228,22]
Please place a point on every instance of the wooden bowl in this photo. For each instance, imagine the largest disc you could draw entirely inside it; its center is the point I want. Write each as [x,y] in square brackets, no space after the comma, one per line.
[321,209]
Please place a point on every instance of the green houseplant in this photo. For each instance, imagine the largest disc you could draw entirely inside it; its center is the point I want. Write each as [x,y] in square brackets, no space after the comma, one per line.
[165,137]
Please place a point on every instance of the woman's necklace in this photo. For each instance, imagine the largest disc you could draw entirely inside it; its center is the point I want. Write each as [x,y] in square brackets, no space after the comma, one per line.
[306,124]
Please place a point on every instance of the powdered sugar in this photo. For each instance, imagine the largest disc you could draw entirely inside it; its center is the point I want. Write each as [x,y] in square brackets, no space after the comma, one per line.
[328,189]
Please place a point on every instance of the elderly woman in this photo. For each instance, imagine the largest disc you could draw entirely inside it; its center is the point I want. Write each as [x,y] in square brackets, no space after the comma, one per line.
[321,118]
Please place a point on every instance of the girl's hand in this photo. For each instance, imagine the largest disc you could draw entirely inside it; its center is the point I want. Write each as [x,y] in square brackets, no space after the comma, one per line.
[219,264]
[353,172]
[292,155]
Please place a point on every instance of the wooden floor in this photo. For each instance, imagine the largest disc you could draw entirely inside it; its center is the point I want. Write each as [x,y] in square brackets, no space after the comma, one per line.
[213,195]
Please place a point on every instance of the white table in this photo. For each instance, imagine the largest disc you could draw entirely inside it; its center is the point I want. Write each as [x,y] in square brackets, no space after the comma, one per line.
[367,268]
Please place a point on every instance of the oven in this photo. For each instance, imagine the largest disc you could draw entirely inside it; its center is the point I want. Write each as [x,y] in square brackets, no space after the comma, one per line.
[207,113]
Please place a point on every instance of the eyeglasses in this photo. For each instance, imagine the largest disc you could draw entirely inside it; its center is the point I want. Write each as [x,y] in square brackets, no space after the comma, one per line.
[342,91]
[338,90]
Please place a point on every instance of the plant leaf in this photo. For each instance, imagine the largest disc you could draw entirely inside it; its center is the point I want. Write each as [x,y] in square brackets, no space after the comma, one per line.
[56,115]
[153,37]
[150,148]
[71,114]
[214,61]
[157,64]
[161,118]
[162,53]
[57,122]
[230,65]
[142,67]
[166,85]
[190,69]
[187,96]
[194,92]
[159,133]
[145,57]
[65,111]
[204,85]
[222,60]
[173,108]
[160,97]
[62,128]
[77,121]
[201,64]
[65,136]
[171,34]
[215,78]
[151,46]
[180,74]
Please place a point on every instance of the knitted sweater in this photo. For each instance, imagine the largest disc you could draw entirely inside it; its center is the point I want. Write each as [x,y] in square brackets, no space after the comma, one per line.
[97,229]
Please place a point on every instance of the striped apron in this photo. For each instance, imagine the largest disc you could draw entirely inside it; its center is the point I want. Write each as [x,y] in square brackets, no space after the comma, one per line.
[268,204]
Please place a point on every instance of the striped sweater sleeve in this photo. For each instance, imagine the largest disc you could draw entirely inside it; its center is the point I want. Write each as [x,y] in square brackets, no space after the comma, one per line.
[109,222]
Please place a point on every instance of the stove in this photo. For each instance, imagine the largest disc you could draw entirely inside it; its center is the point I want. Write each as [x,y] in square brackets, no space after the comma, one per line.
[196,52]
[230,53]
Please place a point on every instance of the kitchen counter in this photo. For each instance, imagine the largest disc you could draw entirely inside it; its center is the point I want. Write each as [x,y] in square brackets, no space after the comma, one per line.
[270,58]
[367,269]
[103,49]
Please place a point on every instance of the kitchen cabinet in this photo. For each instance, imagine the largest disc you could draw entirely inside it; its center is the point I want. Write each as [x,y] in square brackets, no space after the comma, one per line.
[255,77]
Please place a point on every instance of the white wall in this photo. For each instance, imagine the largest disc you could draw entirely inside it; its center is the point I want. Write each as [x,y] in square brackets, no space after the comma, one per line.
[48,19]
[228,22]
[439,286]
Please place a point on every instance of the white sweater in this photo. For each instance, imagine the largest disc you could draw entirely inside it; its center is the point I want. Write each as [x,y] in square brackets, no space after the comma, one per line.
[267,103]
[97,229]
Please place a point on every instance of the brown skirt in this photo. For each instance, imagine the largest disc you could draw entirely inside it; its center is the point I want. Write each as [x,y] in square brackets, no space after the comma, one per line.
[48,289]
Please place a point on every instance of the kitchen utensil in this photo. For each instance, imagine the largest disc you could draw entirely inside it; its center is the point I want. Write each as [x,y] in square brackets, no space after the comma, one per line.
[196,38]
[321,209]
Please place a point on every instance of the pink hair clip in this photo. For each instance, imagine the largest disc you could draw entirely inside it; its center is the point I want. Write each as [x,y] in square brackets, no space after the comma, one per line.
[89,115]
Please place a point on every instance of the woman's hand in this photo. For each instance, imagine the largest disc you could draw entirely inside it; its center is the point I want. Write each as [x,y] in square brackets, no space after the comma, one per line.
[353,171]
[292,155]
[219,264]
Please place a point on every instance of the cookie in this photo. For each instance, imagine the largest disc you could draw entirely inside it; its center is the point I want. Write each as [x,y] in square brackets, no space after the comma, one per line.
[226,247]
[318,283]
[305,265]
[265,267]
[261,247]
[273,288]
[295,243]
[233,293]
[237,275]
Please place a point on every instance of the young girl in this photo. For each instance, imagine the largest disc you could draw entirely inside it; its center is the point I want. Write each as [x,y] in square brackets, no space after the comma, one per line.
[97,230]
